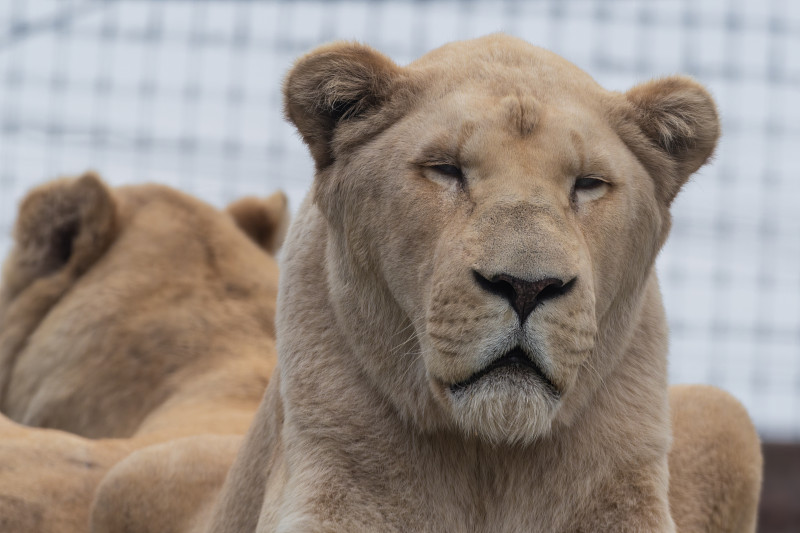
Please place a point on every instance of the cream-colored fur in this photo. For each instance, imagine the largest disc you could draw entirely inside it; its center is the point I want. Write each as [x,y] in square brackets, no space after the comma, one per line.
[133,315]
[448,194]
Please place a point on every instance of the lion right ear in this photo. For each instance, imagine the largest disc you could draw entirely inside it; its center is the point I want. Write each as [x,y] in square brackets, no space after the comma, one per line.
[680,119]
[335,84]
[64,224]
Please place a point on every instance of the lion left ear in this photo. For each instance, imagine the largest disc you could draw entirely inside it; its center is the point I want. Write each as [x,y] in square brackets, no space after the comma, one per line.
[680,118]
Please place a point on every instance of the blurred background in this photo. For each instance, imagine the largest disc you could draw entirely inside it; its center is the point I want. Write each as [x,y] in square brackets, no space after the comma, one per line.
[188,94]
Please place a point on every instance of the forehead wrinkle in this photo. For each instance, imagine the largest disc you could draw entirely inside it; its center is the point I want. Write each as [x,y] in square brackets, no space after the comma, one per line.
[521,113]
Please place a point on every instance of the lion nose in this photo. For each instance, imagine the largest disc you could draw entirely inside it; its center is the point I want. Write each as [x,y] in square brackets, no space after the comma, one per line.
[522,294]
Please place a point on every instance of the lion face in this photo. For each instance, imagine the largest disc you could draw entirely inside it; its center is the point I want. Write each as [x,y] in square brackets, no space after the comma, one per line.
[508,208]
[504,245]
[510,304]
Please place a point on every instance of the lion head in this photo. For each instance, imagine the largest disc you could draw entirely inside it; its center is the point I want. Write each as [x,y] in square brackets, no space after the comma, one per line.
[492,217]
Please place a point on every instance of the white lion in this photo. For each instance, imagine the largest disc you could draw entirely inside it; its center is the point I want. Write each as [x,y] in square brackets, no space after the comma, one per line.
[470,331]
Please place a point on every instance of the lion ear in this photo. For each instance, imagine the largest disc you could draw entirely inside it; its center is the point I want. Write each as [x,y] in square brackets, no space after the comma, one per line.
[67,223]
[680,119]
[264,220]
[334,84]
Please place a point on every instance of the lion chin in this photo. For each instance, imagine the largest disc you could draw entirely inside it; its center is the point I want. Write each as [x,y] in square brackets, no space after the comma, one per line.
[511,400]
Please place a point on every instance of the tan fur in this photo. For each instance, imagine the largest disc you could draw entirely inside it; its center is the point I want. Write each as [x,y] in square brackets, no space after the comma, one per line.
[48,477]
[423,181]
[134,316]
[264,220]
[715,464]
[166,488]
[159,315]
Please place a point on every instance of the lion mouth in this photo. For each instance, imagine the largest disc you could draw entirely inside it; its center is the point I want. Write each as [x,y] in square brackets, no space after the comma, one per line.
[515,360]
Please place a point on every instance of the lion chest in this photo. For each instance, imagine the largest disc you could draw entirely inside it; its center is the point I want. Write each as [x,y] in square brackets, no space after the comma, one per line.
[453,489]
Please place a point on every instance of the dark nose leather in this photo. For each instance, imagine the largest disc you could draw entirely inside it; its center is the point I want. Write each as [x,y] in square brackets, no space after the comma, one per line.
[523,295]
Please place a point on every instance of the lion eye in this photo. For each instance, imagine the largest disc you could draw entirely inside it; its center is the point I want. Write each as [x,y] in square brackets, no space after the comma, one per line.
[451,171]
[588,183]
[588,188]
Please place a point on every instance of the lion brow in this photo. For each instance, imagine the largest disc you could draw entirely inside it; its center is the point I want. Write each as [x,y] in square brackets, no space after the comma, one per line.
[522,113]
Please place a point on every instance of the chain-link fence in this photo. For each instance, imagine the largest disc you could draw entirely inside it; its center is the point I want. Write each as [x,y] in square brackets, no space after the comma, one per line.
[188,93]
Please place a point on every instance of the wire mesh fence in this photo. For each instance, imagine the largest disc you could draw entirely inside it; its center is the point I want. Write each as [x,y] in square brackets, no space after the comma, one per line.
[188,94]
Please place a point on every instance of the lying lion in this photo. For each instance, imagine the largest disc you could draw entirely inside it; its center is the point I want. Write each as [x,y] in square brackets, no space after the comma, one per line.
[138,313]
[137,310]
[470,330]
